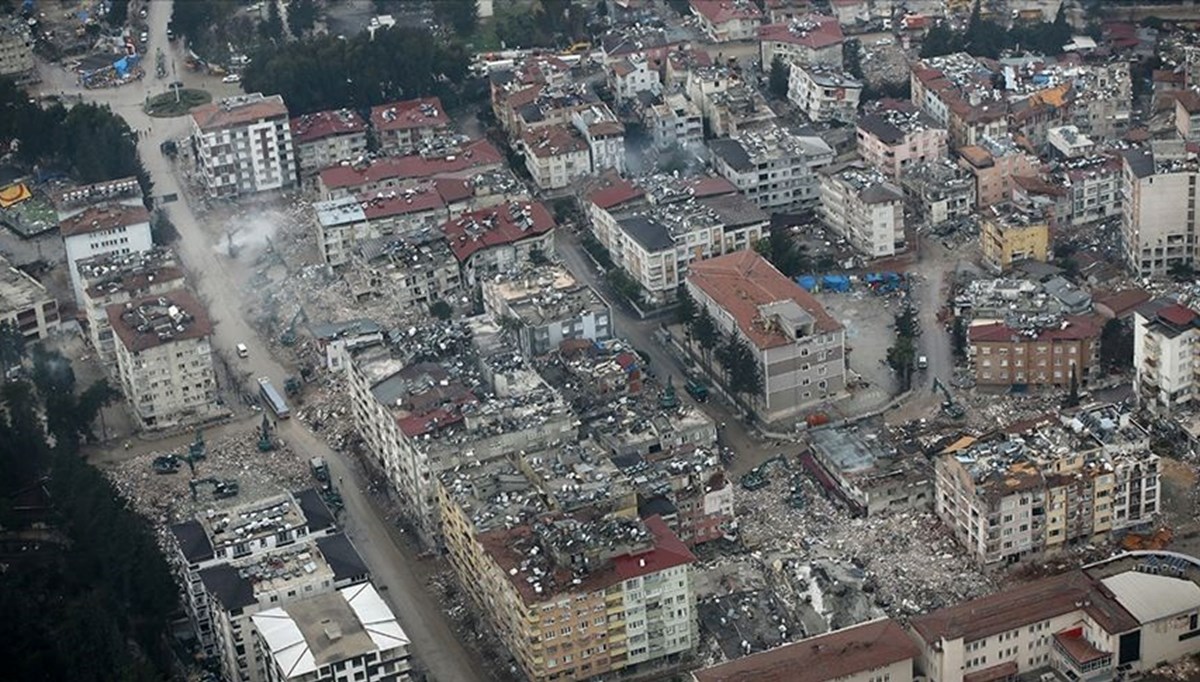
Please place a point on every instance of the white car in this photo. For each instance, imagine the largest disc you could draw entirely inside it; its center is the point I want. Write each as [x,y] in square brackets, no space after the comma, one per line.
[232,78]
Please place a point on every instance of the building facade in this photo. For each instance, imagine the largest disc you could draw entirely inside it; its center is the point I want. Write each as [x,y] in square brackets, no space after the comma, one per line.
[728,20]
[775,169]
[1036,356]
[550,306]
[101,230]
[556,156]
[1158,220]
[938,192]
[1166,355]
[115,279]
[25,304]
[164,358]
[865,208]
[799,348]
[243,145]
[327,138]
[401,126]
[1008,236]
[16,48]
[891,140]
[810,40]
[824,93]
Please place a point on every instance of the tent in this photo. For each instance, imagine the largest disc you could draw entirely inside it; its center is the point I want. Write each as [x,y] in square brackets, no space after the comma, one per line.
[807,282]
[838,283]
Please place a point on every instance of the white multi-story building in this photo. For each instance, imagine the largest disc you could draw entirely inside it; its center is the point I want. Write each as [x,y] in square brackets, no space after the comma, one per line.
[401,126]
[631,76]
[25,303]
[862,206]
[1158,217]
[234,562]
[1113,619]
[117,278]
[605,136]
[1166,355]
[550,305]
[101,230]
[164,358]
[556,156]
[774,168]
[243,145]
[674,122]
[824,93]
[800,348]
[327,138]
[16,48]
[350,634]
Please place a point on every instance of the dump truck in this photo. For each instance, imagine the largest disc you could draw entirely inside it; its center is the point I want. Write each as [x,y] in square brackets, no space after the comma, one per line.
[320,470]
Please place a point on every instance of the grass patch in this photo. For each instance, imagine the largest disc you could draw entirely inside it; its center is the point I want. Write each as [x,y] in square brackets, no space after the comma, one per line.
[165,106]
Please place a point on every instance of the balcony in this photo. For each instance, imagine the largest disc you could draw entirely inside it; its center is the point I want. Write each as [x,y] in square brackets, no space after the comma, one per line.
[1079,658]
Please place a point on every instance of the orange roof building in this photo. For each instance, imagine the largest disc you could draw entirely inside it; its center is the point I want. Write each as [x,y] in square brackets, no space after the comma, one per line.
[798,347]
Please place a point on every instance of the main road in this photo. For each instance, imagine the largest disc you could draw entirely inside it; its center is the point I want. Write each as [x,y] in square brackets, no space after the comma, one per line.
[221,284]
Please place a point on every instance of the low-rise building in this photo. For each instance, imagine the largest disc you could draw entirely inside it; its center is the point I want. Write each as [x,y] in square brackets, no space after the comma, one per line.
[401,126]
[25,304]
[16,48]
[774,168]
[824,93]
[1008,236]
[864,207]
[1027,353]
[894,138]
[1166,355]
[1158,227]
[1067,142]
[556,156]
[101,230]
[243,145]
[74,199]
[938,192]
[115,279]
[164,358]
[873,478]
[799,348]
[1187,115]
[605,137]
[327,138]
[631,76]
[808,40]
[349,634]
[728,20]
[500,239]
[995,162]
[608,196]
[882,650]
[740,107]
[674,122]
[550,306]
[1132,612]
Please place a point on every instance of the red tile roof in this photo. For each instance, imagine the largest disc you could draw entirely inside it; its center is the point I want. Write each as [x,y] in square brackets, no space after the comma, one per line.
[553,141]
[1022,605]
[454,189]
[832,656]
[614,190]
[426,112]
[825,32]
[1075,328]
[413,166]
[123,319]
[387,203]
[668,552]
[478,230]
[323,124]
[1122,302]
[238,111]
[1177,315]
[1189,99]
[741,282]
[721,11]
[104,217]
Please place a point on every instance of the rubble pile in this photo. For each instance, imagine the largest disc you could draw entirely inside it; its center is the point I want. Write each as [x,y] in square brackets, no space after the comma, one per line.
[911,561]
[165,499]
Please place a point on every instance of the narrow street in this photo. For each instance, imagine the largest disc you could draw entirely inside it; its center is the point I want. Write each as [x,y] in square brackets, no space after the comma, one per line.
[220,283]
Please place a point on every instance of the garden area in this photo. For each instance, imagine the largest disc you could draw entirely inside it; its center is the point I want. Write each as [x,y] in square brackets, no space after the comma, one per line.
[170,105]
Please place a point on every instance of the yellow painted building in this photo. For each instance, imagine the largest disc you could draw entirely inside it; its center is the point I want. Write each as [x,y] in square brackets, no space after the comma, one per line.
[1007,238]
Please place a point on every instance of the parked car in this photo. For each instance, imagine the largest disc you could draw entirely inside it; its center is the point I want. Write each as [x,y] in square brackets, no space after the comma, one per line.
[232,78]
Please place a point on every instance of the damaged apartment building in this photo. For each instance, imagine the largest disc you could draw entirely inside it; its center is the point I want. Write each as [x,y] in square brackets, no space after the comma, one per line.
[444,395]
[773,167]
[240,561]
[864,207]
[546,305]
[1059,481]
[871,475]
[938,193]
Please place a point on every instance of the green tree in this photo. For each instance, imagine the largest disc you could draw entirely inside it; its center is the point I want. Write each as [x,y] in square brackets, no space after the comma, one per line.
[162,231]
[852,58]
[272,27]
[958,337]
[625,286]
[1181,271]
[302,16]
[941,40]
[460,15]
[1072,399]
[778,79]
[1116,345]
[12,347]
[118,12]
[706,334]
[685,308]
[441,310]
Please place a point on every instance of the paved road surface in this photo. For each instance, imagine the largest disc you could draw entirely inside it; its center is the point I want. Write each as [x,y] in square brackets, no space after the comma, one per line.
[219,282]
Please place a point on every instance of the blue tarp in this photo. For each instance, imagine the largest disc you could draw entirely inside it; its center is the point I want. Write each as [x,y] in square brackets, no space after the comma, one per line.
[840,283]
[807,282]
[122,66]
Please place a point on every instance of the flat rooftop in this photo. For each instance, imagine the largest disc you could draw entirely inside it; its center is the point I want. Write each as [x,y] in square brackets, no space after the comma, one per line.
[130,272]
[18,291]
[546,294]
[153,321]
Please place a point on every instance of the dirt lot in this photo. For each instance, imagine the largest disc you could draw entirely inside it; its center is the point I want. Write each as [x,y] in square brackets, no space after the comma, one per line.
[867,317]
